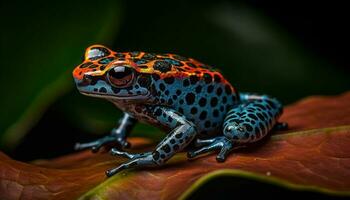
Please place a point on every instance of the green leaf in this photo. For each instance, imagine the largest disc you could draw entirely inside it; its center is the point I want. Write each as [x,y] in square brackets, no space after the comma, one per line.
[41,43]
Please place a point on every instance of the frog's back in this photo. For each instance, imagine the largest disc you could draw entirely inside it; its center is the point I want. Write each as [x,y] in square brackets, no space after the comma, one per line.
[192,88]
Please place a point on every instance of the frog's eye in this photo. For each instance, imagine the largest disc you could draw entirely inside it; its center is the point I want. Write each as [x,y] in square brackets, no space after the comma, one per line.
[120,76]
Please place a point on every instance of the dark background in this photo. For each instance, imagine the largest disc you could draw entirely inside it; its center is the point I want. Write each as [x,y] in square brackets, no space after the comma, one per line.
[287,49]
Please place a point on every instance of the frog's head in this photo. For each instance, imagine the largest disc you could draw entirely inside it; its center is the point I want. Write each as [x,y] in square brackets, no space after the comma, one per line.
[110,75]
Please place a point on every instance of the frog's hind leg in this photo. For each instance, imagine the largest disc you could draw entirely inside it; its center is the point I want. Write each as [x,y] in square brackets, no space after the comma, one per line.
[246,122]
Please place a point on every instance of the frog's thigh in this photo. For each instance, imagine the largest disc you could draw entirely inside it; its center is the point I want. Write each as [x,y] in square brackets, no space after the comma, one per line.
[183,132]
[250,121]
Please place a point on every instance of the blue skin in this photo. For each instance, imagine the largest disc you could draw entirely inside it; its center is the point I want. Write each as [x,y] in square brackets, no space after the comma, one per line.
[197,112]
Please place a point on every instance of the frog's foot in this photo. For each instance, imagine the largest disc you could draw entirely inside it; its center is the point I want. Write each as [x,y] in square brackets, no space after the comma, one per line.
[97,144]
[221,144]
[136,160]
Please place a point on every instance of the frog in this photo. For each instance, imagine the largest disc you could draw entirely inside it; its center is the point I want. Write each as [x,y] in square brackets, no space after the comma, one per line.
[197,107]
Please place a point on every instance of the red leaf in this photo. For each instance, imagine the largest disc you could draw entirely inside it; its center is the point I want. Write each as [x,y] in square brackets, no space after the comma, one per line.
[314,154]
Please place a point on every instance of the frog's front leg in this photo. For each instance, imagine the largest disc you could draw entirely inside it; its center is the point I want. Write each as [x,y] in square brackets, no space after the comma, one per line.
[118,135]
[246,122]
[181,134]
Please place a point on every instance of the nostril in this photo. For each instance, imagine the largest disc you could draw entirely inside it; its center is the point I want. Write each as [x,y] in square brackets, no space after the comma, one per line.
[86,80]
[87,77]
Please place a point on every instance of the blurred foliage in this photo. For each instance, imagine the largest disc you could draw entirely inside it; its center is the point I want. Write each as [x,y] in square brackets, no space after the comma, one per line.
[254,52]
[40,44]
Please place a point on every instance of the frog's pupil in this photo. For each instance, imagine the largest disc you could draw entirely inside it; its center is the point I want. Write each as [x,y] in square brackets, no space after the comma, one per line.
[120,75]
[120,72]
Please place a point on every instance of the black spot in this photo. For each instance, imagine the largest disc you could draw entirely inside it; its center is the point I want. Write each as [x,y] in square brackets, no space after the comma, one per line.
[178,92]
[176,147]
[144,81]
[221,108]
[179,135]
[215,113]
[271,104]
[248,127]
[134,53]
[193,110]
[194,79]
[158,112]
[103,90]
[155,155]
[265,115]
[260,106]
[95,89]
[246,135]
[170,119]
[174,62]
[119,55]
[202,102]
[143,66]
[103,67]
[203,115]
[155,77]
[84,65]
[191,65]
[207,78]
[115,90]
[181,101]
[172,141]
[217,78]
[162,86]
[166,148]
[139,61]
[174,97]
[224,99]
[190,98]
[257,132]
[170,101]
[228,89]
[181,110]
[207,124]
[252,116]
[214,101]
[93,66]
[210,88]
[149,56]
[166,92]
[177,57]
[162,66]
[219,91]
[261,117]
[169,80]
[106,60]
[186,82]
[198,89]
[162,156]
[261,126]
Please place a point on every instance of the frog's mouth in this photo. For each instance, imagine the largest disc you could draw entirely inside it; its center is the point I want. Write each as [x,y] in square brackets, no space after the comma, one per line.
[118,97]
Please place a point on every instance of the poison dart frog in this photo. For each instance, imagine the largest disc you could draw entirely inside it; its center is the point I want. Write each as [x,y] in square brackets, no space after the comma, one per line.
[192,101]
